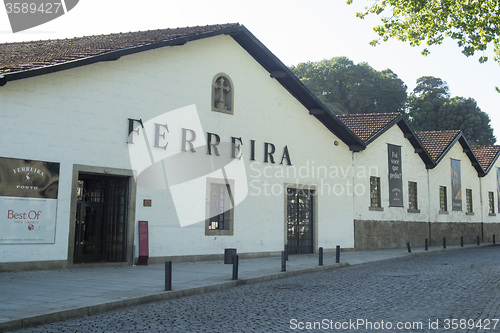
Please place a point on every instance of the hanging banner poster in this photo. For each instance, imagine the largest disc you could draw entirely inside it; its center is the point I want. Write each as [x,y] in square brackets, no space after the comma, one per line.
[395,176]
[498,189]
[28,201]
[456,186]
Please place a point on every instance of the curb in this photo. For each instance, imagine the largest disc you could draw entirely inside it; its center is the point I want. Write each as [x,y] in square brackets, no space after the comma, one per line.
[156,297]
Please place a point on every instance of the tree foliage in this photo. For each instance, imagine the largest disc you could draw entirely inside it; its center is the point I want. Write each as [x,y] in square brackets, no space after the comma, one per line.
[348,88]
[430,107]
[474,24]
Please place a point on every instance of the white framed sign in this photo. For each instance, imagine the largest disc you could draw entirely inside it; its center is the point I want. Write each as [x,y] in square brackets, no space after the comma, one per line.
[28,201]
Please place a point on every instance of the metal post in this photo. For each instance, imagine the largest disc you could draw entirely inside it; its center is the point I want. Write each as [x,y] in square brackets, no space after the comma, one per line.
[493,239]
[426,244]
[462,241]
[235,267]
[283,261]
[477,240]
[337,254]
[444,242]
[168,275]
[408,246]
[320,252]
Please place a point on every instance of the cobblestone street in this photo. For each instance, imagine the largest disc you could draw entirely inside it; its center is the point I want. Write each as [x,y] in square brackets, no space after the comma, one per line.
[455,291]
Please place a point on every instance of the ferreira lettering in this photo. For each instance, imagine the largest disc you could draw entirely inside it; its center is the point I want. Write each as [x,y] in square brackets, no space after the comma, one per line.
[27,169]
[213,144]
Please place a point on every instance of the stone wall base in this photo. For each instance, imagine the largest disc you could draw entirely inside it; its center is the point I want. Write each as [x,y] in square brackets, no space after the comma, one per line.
[369,235]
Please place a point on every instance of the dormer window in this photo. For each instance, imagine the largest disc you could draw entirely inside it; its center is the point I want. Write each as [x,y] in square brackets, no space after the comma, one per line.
[222,94]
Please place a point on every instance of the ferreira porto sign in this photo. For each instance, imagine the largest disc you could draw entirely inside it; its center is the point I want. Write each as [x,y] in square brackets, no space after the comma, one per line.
[395,176]
[28,201]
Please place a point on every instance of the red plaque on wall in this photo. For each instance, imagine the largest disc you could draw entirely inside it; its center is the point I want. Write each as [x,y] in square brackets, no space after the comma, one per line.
[143,243]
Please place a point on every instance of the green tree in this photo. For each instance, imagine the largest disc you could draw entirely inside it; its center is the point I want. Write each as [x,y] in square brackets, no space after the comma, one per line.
[474,24]
[464,114]
[425,103]
[430,108]
[348,88]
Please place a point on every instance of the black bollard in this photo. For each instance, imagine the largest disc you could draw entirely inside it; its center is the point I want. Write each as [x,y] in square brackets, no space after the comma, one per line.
[493,239]
[320,253]
[283,261]
[426,244]
[168,275]
[444,242]
[477,240]
[337,254]
[235,267]
[408,246]
[462,241]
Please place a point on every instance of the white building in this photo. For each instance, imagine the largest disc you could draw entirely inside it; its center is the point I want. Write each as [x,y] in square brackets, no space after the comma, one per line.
[205,135]
[201,132]
[489,189]
[394,209]
[454,188]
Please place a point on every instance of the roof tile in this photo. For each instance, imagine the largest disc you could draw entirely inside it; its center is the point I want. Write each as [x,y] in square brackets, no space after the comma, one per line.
[16,57]
[366,125]
[436,142]
[486,155]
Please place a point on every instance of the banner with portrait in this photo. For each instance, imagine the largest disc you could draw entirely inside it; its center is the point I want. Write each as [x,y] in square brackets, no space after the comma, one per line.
[456,186]
[498,189]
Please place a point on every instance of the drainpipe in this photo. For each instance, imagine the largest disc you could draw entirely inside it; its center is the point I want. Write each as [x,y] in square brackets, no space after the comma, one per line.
[353,165]
[429,206]
[481,204]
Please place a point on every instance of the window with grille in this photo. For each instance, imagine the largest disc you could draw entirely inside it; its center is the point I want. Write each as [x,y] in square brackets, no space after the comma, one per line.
[412,196]
[468,200]
[491,200]
[443,202]
[219,207]
[375,201]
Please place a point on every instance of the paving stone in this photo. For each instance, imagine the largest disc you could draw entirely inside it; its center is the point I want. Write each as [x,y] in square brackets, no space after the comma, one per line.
[444,288]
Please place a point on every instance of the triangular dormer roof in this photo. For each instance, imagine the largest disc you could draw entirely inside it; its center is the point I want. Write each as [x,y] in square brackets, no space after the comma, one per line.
[28,59]
[370,126]
[486,155]
[438,143]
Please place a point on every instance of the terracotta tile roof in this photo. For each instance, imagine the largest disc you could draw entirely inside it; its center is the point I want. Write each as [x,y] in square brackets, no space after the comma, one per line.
[367,125]
[16,57]
[486,154]
[436,142]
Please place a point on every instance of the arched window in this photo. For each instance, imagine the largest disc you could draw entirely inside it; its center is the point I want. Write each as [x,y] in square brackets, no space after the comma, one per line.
[222,94]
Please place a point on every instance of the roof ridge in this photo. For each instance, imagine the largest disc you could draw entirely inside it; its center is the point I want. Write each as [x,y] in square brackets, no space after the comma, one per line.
[440,131]
[369,114]
[486,146]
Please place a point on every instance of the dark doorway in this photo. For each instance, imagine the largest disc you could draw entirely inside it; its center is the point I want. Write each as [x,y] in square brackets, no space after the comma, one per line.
[101,219]
[299,212]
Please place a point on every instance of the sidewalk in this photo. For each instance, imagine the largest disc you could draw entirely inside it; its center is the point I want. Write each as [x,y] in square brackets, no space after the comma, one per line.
[31,298]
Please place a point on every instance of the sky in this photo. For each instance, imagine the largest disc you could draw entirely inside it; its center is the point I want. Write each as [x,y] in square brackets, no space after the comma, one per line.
[294,30]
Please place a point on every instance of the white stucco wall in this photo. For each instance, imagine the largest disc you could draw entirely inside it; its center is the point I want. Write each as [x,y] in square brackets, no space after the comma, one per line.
[489,183]
[373,161]
[441,176]
[79,116]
